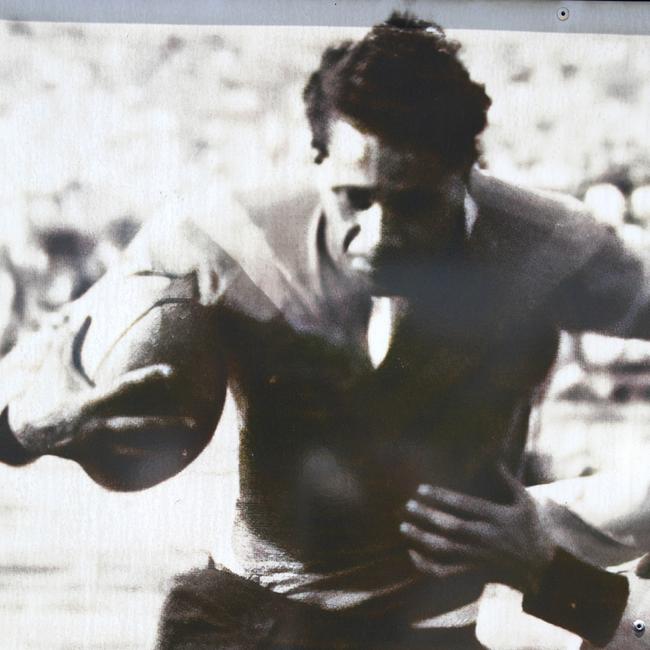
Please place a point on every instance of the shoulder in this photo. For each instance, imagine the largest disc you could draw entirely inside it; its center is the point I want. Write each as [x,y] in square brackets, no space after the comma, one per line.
[536,240]
[558,222]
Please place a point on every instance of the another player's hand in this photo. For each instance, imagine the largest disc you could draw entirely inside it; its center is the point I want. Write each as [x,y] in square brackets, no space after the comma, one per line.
[451,534]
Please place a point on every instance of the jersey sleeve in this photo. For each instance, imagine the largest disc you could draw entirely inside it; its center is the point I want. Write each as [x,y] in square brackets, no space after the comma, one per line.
[580,598]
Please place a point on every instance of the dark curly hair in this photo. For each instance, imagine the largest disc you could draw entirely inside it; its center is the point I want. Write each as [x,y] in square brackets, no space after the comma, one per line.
[404,83]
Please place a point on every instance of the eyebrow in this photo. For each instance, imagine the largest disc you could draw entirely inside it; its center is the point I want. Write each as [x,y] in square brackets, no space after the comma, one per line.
[413,192]
[353,186]
[396,190]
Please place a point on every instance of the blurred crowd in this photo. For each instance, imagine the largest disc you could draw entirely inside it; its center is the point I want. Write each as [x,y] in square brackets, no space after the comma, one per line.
[50,264]
[104,126]
[50,267]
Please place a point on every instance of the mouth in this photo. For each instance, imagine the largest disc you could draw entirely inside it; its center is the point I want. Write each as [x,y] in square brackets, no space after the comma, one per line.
[360,263]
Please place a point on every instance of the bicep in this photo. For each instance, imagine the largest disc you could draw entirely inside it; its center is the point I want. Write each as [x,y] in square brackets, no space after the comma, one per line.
[148,433]
[605,295]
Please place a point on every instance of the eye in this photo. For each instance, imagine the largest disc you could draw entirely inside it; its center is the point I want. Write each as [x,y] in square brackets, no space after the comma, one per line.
[413,201]
[358,198]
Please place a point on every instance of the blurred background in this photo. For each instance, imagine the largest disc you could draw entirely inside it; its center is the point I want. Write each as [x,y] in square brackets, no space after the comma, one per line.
[104,126]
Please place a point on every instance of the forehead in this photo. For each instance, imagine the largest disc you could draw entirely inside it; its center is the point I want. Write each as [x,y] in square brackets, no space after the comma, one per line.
[357,158]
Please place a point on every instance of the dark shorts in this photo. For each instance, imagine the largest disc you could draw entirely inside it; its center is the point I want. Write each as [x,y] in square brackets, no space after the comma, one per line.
[215,609]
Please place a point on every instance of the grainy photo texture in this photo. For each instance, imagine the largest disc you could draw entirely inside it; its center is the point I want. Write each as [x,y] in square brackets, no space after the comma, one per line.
[323,338]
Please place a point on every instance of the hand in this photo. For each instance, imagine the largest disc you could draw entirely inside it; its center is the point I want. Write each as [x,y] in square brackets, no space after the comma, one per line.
[452,534]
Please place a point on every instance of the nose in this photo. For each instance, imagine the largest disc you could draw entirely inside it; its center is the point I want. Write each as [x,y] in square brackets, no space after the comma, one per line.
[351,234]
[364,236]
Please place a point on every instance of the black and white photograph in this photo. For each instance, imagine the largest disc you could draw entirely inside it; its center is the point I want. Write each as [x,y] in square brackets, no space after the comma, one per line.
[328,337]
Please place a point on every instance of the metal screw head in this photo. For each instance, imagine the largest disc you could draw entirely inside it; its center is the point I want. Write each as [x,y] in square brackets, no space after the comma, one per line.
[563,13]
[639,627]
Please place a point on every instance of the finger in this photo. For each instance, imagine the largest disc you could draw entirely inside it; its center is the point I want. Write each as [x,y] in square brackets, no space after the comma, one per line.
[435,546]
[437,520]
[515,486]
[440,569]
[457,502]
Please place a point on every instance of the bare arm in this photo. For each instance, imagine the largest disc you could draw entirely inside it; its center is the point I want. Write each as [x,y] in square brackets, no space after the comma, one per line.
[119,449]
[580,272]
[451,533]
[616,504]
[151,408]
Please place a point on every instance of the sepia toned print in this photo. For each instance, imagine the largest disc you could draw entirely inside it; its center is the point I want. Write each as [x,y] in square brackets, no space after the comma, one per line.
[323,338]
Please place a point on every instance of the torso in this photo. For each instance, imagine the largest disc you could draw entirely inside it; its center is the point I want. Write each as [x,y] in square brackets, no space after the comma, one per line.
[332,447]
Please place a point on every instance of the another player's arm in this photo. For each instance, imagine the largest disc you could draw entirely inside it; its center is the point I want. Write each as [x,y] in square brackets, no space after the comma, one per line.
[450,533]
[156,402]
[609,294]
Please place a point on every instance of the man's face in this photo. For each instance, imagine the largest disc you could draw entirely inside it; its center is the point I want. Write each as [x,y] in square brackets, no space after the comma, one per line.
[388,212]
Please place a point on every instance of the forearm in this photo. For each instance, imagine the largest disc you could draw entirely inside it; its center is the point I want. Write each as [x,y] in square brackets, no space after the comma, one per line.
[50,420]
[126,453]
[120,452]
[572,591]
[40,436]
[603,518]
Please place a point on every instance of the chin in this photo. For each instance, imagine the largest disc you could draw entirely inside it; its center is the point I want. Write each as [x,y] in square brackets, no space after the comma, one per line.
[360,264]
[382,290]
[387,282]
[378,283]
[373,279]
